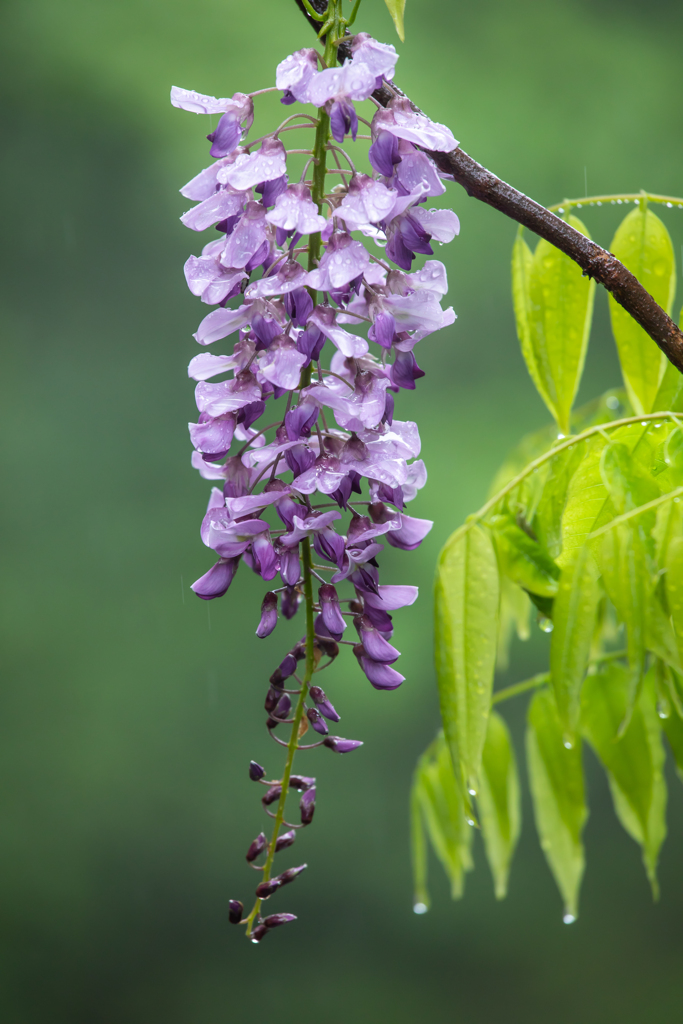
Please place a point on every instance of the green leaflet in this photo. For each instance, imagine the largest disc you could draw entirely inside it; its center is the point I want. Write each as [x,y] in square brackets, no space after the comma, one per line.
[668,534]
[522,559]
[499,802]
[550,508]
[574,615]
[418,847]
[466,630]
[643,244]
[437,800]
[554,308]
[556,781]
[673,728]
[396,9]
[513,616]
[634,762]
[670,394]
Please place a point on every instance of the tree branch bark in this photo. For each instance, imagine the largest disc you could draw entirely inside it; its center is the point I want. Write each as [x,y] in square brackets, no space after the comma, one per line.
[595,262]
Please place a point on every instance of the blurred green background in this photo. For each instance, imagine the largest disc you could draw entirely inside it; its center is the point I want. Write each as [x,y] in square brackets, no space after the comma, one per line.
[129,708]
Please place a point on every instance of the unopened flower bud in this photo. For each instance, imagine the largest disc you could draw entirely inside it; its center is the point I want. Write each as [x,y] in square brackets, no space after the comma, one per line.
[307,806]
[268,615]
[329,647]
[284,706]
[285,669]
[272,698]
[266,889]
[299,652]
[285,840]
[289,875]
[323,704]
[257,847]
[275,920]
[300,782]
[381,675]
[271,796]
[256,772]
[290,601]
[235,909]
[340,745]
[317,721]
[356,606]
[259,931]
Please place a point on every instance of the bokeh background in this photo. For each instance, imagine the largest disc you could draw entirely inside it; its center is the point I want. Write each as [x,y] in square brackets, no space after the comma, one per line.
[129,708]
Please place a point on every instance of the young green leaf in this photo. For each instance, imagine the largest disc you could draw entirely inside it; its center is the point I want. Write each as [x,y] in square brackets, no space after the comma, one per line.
[513,617]
[574,616]
[670,393]
[633,762]
[556,781]
[522,559]
[673,728]
[522,262]
[441,801]
[396,9]
[499,802]
[643,244]
[551,505]
[560,309]
[466,630]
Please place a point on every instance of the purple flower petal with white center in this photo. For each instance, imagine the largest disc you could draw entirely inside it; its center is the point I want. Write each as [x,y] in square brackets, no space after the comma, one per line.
[290,277]
[405,371]
[216,581]
[350,345]
[324,475]
[322,703]
[270,190]
[374,644]
[216,208]
[340,745]
[296,211]
[240,105]
[448,318]
[247,238]
[263,553]
[317,721]
[222,322]
[282,363]
[359,409]
[268,620]
[210,281]
[248,503]
[352,81]
[227,538]
[420,309]
[367,202]
[380,58]
[330,611]
[383,153]
[344,260]
[432,277]
[205,184]
[305,526]
[443,225]
[401,120]
[226,137]
[227,395]
[294,73]
[299,422]
[417,172]
[213,435]
[381,675]
[266,164]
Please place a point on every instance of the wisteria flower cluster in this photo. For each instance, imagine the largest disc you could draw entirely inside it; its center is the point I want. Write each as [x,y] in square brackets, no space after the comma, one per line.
[287,480]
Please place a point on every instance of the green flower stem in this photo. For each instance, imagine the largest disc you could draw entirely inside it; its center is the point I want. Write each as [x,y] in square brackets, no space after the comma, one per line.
[620,197]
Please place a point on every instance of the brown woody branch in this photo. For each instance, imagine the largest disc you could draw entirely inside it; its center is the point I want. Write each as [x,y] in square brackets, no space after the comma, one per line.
[595,261]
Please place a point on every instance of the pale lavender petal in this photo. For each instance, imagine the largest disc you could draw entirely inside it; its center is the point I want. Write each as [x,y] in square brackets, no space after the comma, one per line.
[222,322]
[247,238]
[207,470]
[391,597]
[295,211]
[345,259]
[205,365]
[431,277]
[411,534]
[226,137]
[350,345]
[383,153]
[264,556]
[197,102]
[296,71]
[381,675]
[205,184]
[443,225]
[289,277]
[449,317]
[214,435]
[420,309]
[352,81]
[367,202]
[265,164]
[417,478]
[244,505]
[281,363]
[380,58]
[418,171]
[402,121]
[227,395]
[208,279]
[217,207]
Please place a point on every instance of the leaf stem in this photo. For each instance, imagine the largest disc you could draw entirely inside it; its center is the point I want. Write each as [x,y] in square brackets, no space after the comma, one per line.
[617,198]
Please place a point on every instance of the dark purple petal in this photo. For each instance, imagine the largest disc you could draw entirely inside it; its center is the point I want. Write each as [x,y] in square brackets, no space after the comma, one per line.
[271,796]
[340,745]
[216,581]
[265,330]
[301,782]
[383,330]
[383,154]
[268,615]
[374,643]
[300,421]
[380,619]
[329,545]
[307,803]
[290,601]
[330,611]
[343,120]
[282,708]
[388,408]
[415,237]
[248,414]
[322,703]
[235,909]
[381,675]
[397,251]
[287,98]
[263,891]
[270,190]
[343,492]
[317,721]
[226,227]
[256,772]
[299,306]
[311,342]
[405,371]
[263,554]
[257,847]
[236,478]
[285,840]
[299,458]
[275,920]
[290,568]
[226,136]
[289,875]
[258,932]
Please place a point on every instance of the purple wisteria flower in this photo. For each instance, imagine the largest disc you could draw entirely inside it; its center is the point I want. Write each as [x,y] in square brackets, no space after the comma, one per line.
[298,429]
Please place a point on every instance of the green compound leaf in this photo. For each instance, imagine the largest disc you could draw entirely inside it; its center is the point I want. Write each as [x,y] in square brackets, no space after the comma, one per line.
[499,802]
[574,617]
[438,801]
[522,559]
[396,9]
[556,780]
[673,728]
[633,762]
[466,631]
[670,394]
[643,244]
[554,309]
[513,617]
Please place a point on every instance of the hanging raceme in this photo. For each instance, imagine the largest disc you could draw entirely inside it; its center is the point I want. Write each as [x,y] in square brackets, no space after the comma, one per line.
[587,531]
